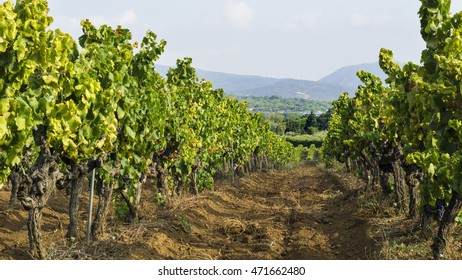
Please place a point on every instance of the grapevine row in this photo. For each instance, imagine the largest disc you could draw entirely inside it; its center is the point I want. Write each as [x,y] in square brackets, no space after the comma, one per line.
[67,108]
[409,131]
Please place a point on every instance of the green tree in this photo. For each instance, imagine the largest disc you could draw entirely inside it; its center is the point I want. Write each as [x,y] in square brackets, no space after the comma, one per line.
[311,124]
[323,120]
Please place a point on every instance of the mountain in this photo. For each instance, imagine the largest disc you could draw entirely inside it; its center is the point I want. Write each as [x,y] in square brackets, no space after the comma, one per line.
[346,76]
[326,89]
[247,85]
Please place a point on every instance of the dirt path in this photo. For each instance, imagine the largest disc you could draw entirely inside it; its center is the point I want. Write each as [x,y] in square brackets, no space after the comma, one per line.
[301,213]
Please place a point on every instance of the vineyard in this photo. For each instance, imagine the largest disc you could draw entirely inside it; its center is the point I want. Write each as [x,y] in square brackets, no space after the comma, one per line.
[248,219]
[68,109]
[181,171]
[405,138]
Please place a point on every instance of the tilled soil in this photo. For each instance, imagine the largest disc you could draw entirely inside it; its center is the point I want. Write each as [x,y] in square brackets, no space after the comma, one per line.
[305,213]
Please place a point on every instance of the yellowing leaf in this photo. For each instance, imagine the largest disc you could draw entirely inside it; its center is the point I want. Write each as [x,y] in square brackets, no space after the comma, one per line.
[120,113]
[13,159]
[431,170]
[4,105]
[48,79]
[3,127]
[70,147]
[21,123]
[130,132]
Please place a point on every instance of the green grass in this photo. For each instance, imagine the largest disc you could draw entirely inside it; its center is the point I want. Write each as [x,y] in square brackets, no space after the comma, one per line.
[306,140]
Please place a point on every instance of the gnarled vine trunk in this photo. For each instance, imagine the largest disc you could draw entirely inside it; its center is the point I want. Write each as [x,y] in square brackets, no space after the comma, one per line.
[451,211]
[133,203]
[76,176]
[162,178]
[133,207]
[16,181]
[400,185]
[37,188]
[413,180]
[99,223]
[375,174]
[76,188]
[195,168]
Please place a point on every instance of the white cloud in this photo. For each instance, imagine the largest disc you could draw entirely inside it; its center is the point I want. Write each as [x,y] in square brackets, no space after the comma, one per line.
[306,21]
[67,22]
[216,52]
[128,17]
[239,14]
[70,22]
[99,20]
[360,20]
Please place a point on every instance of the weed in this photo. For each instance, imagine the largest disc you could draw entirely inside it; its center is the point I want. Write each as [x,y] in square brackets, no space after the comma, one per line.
[159,200]
[185,224]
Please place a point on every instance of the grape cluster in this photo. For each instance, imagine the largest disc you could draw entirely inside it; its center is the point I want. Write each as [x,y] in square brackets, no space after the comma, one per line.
[440,209]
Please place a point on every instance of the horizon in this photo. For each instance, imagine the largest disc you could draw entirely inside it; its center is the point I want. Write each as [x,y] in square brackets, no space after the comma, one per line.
[278,78]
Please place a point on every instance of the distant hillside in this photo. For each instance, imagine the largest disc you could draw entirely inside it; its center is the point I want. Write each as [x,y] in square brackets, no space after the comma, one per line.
[297,89]
[245,85]
[231,83]
[326,89]
[281,105]
[346,76]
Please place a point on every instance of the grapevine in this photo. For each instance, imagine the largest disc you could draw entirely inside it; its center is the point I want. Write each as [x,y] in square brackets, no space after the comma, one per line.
[67,110]
[416,124]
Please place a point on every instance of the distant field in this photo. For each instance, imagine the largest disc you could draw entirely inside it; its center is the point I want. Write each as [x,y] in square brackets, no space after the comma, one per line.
[281,105]
[306,140]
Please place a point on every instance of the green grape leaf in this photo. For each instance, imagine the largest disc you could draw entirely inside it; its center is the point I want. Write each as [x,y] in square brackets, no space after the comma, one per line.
[130,132]
[3,127]
[21,123]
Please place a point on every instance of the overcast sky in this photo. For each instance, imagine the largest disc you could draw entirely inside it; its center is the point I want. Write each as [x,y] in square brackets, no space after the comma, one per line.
[303,39]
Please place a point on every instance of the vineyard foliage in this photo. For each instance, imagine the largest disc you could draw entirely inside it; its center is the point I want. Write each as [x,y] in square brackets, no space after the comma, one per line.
[67,107]
[412,128]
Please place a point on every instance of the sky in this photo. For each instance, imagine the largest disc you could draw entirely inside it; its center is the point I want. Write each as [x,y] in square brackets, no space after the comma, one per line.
[300,39]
